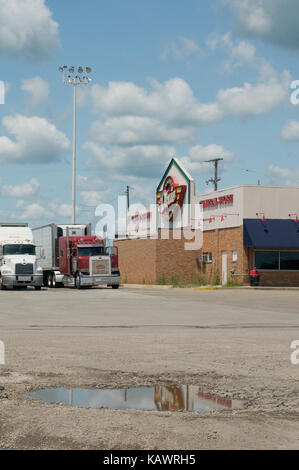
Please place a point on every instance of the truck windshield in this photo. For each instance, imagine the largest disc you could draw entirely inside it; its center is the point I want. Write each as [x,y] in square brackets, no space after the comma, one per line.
[19,250]
[90,250]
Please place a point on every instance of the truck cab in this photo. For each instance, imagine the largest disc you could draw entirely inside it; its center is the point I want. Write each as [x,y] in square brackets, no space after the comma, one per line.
[18,263]
[88,261]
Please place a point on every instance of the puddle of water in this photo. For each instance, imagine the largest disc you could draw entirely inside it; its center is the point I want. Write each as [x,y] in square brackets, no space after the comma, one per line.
[158,398]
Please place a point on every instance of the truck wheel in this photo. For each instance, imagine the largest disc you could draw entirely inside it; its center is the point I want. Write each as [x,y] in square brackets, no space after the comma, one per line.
[53,281]
[2,287]
[115,286]
[78,281]
[50,280]
[37,287]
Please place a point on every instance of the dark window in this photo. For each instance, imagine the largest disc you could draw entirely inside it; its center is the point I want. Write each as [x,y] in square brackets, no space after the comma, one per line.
[91,251]
[267,260]
[289,260]
[19,249]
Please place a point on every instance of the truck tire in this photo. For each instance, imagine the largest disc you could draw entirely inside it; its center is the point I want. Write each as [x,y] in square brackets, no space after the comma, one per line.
[37,287]
[78,281]
[2,287]
[50,280]
[115,286]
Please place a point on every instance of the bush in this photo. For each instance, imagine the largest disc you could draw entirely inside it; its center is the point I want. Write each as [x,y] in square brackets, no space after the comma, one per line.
[162,280]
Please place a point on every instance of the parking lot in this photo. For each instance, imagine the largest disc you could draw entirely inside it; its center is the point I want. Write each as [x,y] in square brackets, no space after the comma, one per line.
[232,343]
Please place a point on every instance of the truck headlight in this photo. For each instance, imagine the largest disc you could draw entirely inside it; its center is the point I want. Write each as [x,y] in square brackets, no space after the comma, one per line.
[6,271]
[39,270]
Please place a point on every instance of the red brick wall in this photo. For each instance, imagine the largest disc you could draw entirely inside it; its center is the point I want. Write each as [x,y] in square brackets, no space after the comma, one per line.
[150,261]
[174,261]
[137,260]
[217,241]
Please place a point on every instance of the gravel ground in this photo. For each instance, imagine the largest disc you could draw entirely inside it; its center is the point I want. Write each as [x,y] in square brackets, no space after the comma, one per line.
[230,343]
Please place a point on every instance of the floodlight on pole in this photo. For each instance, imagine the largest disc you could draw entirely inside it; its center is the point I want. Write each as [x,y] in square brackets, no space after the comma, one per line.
[70,77]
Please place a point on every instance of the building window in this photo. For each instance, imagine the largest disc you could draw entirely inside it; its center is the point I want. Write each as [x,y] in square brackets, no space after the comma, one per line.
[205,258]
[277,260]
[289,260]
[268,260]
[235,256]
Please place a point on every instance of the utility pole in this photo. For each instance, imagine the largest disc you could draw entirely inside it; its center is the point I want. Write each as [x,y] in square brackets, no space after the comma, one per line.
[214,180]
[128,197]
[127,191]
[75,78]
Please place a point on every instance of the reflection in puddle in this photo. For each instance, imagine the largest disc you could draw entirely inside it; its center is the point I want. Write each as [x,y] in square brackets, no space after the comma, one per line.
[160,397]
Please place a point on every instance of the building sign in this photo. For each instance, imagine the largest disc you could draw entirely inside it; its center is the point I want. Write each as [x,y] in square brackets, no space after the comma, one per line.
[138,225]
[171,198]
[218,201]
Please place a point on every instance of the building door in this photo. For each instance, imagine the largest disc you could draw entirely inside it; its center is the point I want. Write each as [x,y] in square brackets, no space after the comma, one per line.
[224,267]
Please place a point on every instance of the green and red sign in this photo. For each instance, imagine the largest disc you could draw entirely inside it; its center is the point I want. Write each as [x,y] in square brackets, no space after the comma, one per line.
[171,198]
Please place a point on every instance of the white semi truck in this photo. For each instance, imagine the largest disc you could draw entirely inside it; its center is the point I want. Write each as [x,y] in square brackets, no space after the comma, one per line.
[18,263]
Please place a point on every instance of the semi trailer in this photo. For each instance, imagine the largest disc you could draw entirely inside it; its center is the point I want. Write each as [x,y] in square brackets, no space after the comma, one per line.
[19,266]
[72,256]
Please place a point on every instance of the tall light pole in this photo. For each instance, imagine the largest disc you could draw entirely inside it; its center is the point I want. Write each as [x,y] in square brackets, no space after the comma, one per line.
[70,77]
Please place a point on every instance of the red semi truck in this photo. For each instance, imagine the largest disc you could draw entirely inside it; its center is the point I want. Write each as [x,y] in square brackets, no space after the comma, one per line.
[71,256]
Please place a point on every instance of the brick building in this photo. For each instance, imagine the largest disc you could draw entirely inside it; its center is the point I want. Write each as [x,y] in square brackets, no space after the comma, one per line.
[239,228]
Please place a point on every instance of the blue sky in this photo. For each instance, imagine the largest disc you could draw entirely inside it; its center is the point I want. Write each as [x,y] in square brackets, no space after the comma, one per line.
[195,79]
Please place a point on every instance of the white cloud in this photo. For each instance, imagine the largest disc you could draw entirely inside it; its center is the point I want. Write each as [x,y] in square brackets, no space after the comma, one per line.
[60,209]
[36,140]
[139,128]
[196,160]
[274,21]
[255,99]
[26,190]
[35,211]
[239,53]
[128,163]
[181,48]
[38,89]
[91,198]
[93,190]
[85,183]
[271,89]
[290,131]
[136,130]
[171,113]
[283,176]
[172,102]
[27,29]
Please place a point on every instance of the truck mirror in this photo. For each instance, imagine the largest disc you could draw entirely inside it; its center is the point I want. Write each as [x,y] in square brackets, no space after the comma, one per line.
[42,252]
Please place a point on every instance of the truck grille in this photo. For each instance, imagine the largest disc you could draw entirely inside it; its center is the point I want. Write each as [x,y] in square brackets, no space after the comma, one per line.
[100,266]
[24,269]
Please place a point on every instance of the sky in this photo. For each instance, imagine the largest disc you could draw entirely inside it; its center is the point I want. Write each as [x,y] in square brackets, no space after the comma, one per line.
[194,80]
